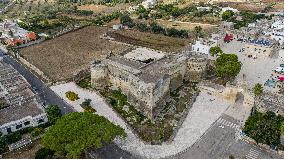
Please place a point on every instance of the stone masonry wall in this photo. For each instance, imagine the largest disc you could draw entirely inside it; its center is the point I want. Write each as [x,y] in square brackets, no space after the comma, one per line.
[270,102]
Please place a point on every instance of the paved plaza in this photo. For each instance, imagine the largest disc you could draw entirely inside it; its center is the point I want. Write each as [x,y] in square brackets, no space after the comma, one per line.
[255,70]
[204,112]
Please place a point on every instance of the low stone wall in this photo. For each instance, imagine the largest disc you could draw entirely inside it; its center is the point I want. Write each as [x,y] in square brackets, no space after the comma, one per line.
[33,68]
[270,102]
[81,75]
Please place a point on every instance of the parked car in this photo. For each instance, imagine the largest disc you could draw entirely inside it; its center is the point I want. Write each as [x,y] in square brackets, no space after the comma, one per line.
[279,70]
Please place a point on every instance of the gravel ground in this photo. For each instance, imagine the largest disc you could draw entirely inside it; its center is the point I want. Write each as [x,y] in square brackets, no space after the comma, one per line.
[204,112]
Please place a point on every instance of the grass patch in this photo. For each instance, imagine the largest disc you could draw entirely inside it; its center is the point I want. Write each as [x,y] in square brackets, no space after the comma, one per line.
[85,82]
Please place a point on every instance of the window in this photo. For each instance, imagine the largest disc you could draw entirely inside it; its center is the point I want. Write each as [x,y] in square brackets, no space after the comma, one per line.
[9,130]
[27,123]
[18,126]
[40,121]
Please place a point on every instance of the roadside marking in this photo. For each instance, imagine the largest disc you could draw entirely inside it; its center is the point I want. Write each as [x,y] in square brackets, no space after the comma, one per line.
[253,154]
[228,123]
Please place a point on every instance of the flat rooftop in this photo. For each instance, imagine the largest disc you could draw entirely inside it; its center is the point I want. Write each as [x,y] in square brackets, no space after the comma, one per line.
[18,95]
[144,54]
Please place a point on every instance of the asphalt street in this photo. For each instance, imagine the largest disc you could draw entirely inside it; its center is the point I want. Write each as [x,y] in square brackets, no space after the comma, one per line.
[222,140]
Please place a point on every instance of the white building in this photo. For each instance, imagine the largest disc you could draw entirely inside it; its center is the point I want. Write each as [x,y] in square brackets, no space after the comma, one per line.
[276,35]
[279,24]
[203,8]
[19,106]
[149,4]
[203,46]
[229,8]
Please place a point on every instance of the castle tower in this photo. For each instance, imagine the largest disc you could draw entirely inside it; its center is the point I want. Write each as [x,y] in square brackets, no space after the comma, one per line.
[99,75]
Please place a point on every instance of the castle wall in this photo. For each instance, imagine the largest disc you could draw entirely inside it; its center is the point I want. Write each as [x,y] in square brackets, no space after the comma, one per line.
[99,76]
[270,102]
[177,72]
[143,96]
[195,69]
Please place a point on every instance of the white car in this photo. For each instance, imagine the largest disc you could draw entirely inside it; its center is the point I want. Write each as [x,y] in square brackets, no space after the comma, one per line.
[279,70]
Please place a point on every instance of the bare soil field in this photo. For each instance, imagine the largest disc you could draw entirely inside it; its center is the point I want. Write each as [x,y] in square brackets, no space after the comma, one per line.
[154,41]
[61,58]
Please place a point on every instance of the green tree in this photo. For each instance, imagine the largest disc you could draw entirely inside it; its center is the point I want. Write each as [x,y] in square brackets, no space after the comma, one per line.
[44,153]
[215,51]
[197,31]
[257,89]
[76,131]
[53,113]
[227,66]
[227,15]
[3,144]
[157,29]
[126,20]
[282,127]
[37,131]
[264,128]
[231,157]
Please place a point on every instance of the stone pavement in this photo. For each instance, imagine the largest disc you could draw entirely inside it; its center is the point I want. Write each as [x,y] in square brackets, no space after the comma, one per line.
[204,112]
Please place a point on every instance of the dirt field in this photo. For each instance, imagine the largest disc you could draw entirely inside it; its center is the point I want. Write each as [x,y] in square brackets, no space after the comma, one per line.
[62,57]
[154,41]
[186,25]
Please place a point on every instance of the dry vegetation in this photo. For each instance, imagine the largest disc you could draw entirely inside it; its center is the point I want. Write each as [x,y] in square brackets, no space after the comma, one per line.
[62,57]
[103,8]
[154,41]
[186,25]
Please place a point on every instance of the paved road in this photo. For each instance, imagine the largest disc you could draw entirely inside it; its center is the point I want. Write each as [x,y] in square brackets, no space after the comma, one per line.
[46,94]
[222,140]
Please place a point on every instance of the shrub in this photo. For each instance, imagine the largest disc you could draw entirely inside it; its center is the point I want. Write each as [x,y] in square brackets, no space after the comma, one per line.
[13,137]
[53,113]
[44,153]
[258,89]
[85,83]
[86,103]
[37,131]
[90,109]
[3,144]
[72,95]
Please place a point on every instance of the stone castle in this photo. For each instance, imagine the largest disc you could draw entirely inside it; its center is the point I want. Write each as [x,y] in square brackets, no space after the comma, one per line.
[147,77]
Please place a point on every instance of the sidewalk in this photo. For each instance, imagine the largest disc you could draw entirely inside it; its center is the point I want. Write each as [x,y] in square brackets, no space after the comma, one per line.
[204,112]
